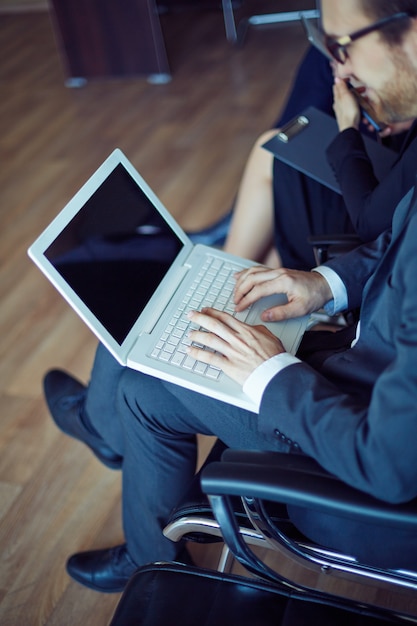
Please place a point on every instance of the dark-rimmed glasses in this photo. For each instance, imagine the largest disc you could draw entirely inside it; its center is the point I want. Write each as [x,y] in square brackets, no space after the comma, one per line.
[335,48]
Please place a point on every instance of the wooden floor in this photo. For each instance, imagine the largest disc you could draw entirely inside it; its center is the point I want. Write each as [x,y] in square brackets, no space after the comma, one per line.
[189,139]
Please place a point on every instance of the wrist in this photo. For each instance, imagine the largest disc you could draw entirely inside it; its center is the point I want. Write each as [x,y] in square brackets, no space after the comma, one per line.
[348,127]
[323,290]
[347,123]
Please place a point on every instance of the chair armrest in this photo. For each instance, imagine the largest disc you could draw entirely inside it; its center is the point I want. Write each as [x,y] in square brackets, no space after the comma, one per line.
[332,245]
[288,479]
[298,462]
[335,239]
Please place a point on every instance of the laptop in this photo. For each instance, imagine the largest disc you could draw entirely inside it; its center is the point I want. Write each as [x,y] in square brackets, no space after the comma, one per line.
[131,273]
[305,139]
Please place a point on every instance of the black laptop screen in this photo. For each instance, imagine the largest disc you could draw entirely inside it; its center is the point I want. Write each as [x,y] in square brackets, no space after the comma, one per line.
[115,252]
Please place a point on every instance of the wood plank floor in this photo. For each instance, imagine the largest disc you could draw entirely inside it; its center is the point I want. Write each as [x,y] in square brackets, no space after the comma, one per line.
[189,139]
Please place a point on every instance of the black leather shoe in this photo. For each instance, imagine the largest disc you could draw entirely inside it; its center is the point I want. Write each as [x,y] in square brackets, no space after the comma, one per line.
[65,397]
[107,571]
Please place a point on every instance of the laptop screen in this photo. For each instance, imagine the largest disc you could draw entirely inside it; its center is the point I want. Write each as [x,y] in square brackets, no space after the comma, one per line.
[115,252]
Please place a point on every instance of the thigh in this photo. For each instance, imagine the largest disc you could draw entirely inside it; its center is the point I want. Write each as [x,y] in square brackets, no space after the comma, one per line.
[178,412]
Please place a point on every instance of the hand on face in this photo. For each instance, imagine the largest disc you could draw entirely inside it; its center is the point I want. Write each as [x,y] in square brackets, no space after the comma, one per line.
[345,106]
[347,111]
[235,347]
[306,291]
[387,68]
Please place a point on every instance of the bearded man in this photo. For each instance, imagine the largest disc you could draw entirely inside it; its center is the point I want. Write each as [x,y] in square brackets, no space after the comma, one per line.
[351,406]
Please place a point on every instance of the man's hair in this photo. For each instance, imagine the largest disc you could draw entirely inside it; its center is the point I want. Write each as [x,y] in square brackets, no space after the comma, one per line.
[378,9]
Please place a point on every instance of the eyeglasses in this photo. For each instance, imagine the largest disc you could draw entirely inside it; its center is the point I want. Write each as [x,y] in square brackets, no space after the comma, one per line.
[335,48]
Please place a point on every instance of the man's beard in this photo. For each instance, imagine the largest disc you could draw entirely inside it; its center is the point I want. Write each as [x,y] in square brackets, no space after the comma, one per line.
[398,102]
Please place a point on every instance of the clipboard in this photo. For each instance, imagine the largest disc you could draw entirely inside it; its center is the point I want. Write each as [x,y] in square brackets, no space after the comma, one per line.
[302,145]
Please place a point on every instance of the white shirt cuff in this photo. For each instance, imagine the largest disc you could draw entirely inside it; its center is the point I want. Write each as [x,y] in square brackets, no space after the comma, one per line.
[338,289]
[257,382]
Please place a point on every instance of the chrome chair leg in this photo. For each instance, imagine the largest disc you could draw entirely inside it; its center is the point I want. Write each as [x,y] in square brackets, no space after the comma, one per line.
[229,21]
[259,20]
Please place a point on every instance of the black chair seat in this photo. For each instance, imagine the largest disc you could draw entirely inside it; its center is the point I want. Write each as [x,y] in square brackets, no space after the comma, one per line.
[166,594]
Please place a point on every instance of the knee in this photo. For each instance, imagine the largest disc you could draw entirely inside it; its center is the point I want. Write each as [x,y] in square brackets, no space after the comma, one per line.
[266,136]
[133,395]
[140,401]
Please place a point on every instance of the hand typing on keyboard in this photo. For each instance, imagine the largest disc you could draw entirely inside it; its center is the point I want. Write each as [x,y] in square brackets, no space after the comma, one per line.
[306,291]
[235,347]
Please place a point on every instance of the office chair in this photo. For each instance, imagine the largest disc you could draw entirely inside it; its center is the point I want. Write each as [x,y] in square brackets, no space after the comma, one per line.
[193,520]
[236,33]
[253,478]
[162,594]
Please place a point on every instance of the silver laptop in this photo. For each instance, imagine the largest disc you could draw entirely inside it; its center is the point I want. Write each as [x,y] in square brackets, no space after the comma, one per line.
[131,273]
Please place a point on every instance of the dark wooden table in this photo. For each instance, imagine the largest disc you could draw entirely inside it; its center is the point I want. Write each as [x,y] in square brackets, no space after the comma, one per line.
[104,38]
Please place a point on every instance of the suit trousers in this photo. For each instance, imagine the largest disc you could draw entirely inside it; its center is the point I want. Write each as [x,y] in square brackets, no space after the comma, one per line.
[153,425]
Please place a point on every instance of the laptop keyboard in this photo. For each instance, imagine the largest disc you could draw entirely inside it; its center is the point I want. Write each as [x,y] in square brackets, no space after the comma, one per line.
[213,287]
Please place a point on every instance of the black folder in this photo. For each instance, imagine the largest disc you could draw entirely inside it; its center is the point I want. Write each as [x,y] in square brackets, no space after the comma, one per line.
[306,149]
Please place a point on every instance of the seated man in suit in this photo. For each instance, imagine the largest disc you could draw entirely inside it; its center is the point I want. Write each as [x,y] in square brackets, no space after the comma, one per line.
[278,208]
[351,406]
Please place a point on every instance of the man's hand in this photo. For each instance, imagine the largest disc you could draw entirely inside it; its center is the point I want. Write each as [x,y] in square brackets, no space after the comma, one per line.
[347,111]
[395,128]
[306,291]
[235,347]
[345,106]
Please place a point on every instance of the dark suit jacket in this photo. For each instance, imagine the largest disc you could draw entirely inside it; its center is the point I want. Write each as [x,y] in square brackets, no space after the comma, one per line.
[304,207]
[370,203]
[358,416]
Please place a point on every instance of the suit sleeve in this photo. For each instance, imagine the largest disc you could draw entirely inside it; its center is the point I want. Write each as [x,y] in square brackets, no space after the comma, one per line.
[368,443]
[369,202]
[356,267]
